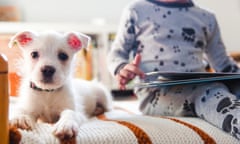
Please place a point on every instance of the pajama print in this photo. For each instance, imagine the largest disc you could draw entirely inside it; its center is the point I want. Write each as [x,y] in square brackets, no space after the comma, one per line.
[177,37]
[212,102]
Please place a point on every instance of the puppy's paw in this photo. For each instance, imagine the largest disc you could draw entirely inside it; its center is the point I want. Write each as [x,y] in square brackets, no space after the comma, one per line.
[68,124]
[23,122]
[65,129]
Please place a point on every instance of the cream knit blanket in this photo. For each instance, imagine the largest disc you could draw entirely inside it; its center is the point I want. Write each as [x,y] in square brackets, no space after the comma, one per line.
[122,127]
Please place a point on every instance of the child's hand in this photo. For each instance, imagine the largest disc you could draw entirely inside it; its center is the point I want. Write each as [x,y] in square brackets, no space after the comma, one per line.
[129,71]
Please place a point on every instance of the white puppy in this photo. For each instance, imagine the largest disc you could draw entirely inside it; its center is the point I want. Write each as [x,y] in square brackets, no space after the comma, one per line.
[48,92]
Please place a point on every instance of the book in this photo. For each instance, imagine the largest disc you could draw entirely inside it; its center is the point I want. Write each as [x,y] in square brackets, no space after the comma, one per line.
[156,79]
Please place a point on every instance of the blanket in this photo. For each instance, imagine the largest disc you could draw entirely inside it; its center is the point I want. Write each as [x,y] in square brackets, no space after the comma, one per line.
[123,127]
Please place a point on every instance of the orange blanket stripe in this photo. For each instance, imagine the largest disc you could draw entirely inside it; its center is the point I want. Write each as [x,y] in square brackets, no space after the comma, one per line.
[141,136]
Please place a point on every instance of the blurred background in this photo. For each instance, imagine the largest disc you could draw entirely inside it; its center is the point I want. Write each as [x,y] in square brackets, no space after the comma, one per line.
[109,11]
[99,19]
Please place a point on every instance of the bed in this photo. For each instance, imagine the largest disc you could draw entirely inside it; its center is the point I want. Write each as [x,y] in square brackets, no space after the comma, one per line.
[122,125]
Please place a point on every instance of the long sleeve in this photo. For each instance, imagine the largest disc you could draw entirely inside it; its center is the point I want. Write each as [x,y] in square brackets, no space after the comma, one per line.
[124,42]
[216,52]
[169,37]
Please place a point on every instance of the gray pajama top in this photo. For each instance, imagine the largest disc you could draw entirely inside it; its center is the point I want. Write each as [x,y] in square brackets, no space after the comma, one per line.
[170,37]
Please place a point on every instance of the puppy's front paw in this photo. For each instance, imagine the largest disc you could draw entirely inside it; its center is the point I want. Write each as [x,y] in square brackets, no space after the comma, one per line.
[68,124]
[23,122]
[65,129]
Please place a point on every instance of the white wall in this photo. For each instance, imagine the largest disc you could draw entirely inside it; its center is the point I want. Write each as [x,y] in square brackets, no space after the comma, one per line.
[228,16]
[68,10]
[227,12]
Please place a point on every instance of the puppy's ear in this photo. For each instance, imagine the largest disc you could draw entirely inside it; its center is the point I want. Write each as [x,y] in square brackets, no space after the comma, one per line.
[22,39]
[77,41]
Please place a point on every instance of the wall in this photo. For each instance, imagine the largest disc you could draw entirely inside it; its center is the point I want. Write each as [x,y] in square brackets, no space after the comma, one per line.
[228,16]
[85,11]
[68,10]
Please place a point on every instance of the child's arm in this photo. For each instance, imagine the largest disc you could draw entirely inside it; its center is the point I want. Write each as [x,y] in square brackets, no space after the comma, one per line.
[216,52]
[124,43]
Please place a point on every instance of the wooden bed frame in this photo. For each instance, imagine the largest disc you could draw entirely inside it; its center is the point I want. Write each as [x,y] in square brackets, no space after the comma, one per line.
[4,100]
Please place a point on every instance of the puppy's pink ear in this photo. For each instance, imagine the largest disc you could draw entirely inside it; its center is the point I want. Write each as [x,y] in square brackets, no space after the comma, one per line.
[77,41]
[22,39]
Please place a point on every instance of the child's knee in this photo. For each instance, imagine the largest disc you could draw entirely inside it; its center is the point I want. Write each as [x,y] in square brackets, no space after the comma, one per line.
[208,97]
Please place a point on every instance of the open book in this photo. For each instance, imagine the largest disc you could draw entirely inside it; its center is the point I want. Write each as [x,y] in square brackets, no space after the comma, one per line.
[155,79]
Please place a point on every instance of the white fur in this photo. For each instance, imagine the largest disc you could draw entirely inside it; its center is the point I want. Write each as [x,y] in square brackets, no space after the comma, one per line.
[71,102]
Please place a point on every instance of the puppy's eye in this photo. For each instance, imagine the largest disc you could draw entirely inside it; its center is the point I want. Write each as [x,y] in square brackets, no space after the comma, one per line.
[35,54]
[62,56]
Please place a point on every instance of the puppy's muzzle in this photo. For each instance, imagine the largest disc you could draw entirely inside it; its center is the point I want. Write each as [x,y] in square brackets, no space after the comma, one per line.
[47,73]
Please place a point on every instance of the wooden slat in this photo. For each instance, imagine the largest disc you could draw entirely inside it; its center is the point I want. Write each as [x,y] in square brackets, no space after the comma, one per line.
[4,100]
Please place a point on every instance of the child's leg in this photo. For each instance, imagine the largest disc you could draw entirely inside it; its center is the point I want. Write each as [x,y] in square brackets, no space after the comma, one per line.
[217,105]
[171,100]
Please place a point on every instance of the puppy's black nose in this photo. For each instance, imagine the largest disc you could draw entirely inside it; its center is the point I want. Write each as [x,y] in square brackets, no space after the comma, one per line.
[48,71]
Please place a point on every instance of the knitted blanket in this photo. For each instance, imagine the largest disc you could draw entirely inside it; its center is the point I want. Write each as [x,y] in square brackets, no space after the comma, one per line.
[121,127]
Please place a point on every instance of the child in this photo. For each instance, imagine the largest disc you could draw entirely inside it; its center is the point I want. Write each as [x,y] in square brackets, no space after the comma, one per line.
[175,35]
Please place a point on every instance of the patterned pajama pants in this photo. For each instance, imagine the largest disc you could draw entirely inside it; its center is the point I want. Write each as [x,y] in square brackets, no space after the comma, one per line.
[213,102]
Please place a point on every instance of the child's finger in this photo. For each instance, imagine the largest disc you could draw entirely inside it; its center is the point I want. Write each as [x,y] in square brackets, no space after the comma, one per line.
[121,82]
[132,70]
[137,60]
[125,73]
